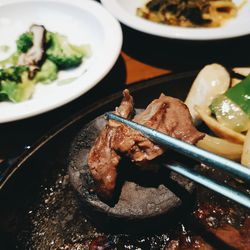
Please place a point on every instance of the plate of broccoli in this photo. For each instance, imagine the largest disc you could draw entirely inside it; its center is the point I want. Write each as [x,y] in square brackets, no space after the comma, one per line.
[39,57]
[51,52]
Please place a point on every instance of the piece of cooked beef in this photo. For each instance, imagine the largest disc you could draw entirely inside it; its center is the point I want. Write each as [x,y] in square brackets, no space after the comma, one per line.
[103,159]
[166,114]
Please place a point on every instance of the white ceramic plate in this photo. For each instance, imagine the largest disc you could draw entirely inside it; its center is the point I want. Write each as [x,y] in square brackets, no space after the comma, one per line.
[83,22]
[125,11]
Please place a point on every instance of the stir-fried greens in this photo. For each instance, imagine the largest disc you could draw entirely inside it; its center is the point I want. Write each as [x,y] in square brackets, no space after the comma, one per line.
[39,56]
[188,13]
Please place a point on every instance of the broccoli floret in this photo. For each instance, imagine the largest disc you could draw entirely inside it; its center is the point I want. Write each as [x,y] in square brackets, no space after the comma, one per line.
[47,73]
[6,90]
[12,73]
[24,42]
[62,53]
[15,84]
[12,86]
[16,92]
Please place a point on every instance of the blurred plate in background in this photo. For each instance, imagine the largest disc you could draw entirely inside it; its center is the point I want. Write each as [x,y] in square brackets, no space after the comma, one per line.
[125,11]
[83,22]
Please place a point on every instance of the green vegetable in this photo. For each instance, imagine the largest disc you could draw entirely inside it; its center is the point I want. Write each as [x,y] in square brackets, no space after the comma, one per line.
[24,42]
[47,73]
[15,83]
[12,73]
[230,114]
[16,86]
[12,86]
[240,95]
[6,90]
[16,92]
[232,109]
[62,53]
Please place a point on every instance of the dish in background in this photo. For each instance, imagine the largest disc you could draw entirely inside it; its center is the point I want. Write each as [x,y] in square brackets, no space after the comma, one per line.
[198,13]
[83,22]
[125,11]
[40,55]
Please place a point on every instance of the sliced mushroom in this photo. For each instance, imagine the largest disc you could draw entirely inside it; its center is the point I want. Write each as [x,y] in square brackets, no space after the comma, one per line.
[35,54]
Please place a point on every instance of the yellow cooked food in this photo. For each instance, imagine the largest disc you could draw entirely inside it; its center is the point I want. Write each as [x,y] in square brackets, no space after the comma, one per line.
[245,158]
[221,147]
[189,13]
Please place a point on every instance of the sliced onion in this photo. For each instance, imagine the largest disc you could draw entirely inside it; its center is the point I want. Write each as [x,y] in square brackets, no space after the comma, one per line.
[244,71]
[212,81]
[219,129]
[245,158]
[221,147]
[235,81]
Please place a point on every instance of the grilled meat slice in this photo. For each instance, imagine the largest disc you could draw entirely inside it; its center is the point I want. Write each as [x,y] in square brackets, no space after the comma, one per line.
[166,114]
[102,158]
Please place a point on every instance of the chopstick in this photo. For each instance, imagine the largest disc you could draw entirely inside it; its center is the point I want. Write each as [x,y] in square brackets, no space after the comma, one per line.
[233,168]
[216,186]
[213,160]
